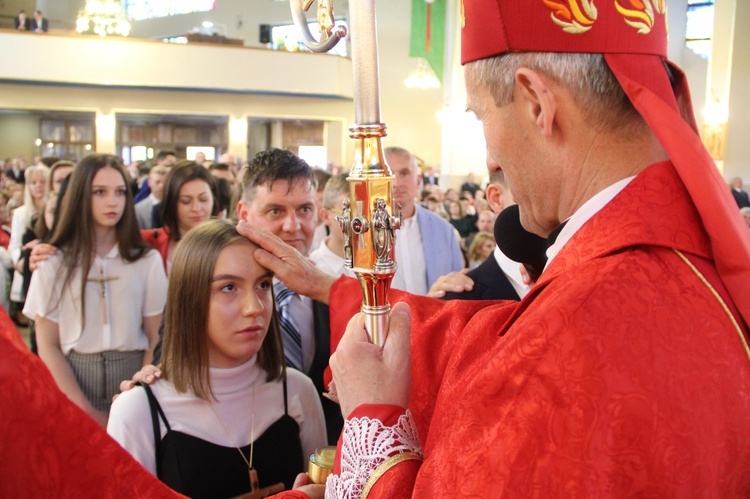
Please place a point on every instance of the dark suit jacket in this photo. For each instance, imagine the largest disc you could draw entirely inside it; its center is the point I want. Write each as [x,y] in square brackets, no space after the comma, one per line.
[43,27]
[331,410]
[741,198]
[472,187]
[490,283]
[430,179]
[20,177]
[26,23]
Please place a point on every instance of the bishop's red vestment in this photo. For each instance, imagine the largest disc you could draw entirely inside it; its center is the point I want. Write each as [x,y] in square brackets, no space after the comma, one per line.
[624,372]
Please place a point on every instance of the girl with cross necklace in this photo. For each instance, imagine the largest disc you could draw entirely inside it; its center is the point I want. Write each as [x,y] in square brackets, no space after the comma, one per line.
[92,331]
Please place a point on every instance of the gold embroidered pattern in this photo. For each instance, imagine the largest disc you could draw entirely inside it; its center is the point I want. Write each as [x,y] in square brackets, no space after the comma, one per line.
[463,15]
[718,298]
[385,466]
[660,6]
[638,14]
[573,16]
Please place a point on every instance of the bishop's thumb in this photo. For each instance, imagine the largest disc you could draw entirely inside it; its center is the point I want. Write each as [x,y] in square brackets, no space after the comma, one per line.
[398,343]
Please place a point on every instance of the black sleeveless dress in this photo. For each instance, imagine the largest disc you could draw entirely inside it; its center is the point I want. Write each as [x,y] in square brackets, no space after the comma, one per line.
[200,469]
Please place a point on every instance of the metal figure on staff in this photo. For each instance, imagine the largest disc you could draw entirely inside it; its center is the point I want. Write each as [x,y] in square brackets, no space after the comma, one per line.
[369,219]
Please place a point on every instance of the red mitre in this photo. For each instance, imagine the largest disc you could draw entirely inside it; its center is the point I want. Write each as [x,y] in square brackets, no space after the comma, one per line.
[632,35]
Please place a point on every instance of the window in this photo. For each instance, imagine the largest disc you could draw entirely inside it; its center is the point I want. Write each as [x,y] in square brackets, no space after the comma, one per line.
[67,137]
[137,10]
[700,27]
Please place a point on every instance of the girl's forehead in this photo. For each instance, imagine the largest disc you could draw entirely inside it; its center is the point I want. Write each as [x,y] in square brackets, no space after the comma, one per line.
[240,254]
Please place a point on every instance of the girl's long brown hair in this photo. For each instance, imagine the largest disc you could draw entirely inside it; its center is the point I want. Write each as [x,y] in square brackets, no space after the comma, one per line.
[75,229]
[185,347]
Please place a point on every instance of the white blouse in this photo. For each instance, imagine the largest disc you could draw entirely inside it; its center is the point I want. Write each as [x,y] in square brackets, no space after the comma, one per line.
[118,296]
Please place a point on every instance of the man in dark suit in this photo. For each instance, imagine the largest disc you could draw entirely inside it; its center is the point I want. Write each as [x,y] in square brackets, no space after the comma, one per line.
[470,185]
[16,170]
[429,177]
[21,22]
[740,196]
[279,195]
[39,23]
[498,277]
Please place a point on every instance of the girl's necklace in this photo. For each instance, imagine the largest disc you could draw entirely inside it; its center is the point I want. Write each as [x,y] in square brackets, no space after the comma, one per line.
[254,484]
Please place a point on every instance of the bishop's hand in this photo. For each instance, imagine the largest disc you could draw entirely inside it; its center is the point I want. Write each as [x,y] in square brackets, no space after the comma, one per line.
[367,374]
[289,266]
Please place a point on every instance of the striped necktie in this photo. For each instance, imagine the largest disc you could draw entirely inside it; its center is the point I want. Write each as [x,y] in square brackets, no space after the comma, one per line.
[289,333]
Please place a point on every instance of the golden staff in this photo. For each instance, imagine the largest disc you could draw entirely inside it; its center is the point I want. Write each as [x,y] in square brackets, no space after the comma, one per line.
[368,220]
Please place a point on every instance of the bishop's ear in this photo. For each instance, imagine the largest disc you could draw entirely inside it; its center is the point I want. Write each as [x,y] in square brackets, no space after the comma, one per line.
[538,99]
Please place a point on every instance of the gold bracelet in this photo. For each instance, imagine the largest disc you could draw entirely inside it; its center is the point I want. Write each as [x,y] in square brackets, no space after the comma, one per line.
[385,466]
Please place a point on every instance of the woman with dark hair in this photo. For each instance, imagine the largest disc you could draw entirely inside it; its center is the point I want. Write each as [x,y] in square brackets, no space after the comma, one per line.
[226,412]
[93,331]
[188,200]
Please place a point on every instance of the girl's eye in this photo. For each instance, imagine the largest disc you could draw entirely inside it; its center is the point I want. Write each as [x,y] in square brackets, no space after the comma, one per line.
[228,288]
[265,285]
[98,192]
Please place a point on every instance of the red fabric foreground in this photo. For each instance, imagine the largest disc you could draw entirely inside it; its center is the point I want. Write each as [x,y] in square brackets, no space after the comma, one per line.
[50,447]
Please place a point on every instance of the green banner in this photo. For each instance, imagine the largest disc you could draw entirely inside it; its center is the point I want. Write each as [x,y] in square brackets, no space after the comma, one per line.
[428,33]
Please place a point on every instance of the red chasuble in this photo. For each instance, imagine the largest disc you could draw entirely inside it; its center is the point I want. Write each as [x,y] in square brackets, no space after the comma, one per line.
[623,373]
[50,447]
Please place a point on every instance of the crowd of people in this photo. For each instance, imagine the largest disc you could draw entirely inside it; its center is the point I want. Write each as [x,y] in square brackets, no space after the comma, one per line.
[613,362]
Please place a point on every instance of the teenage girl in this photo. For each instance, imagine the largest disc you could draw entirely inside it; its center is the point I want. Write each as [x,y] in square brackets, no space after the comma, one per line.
[226,408]
[98,300]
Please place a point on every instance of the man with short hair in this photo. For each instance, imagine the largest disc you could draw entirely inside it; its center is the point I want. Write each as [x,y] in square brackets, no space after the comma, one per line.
[426,245]
[22,22]
[144,209]
[165,157]
[486,221]
[625,371]
[470,185]
[279,196]
[222,170]
[429,178]
[740,196]
[39,24]
[330,256]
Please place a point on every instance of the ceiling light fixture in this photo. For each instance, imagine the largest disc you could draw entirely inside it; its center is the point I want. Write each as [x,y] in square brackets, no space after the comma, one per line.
[423,77]
[102,17]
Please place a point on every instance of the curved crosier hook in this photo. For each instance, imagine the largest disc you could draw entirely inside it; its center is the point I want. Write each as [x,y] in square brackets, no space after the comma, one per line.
[330,33]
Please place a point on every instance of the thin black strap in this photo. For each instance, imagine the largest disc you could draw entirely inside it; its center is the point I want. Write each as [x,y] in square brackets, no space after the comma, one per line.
[286,410]
[156,412]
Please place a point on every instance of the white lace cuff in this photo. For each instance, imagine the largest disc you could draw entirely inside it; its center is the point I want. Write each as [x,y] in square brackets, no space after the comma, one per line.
[366,445]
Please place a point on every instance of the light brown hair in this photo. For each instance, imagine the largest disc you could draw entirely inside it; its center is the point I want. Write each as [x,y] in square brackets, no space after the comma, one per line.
[185,348]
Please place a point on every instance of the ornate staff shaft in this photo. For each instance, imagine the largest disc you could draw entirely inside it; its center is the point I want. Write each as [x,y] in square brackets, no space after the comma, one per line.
[368,221]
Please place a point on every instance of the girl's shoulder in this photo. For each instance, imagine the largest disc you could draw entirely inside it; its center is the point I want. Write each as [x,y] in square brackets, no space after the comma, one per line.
[19,211]
[299,383]
[135,401]
[52,263]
